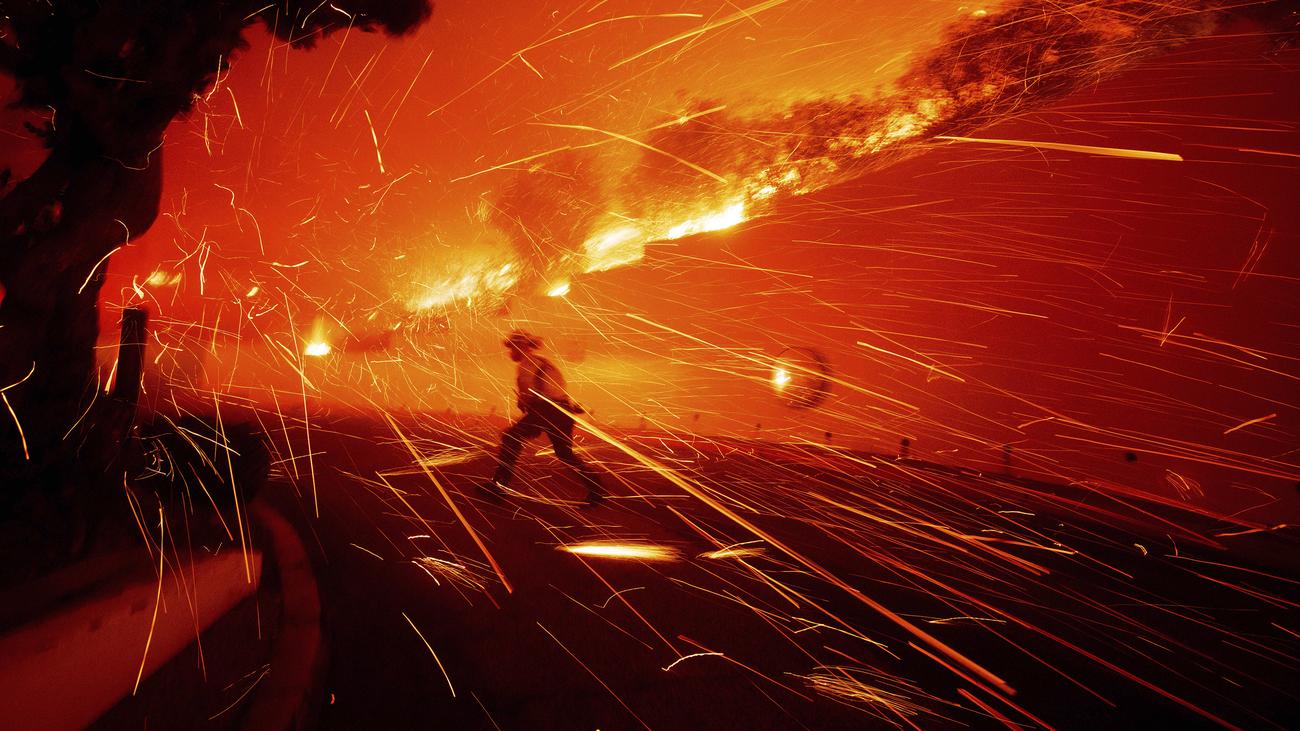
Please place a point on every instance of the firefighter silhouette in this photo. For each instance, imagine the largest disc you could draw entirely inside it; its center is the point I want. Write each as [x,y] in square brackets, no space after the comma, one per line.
[541,396]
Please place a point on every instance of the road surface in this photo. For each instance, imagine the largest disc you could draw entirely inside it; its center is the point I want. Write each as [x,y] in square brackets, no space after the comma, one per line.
[770,586]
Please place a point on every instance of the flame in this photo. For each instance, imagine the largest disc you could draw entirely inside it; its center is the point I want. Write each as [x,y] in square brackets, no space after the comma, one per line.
[475,280]
[625,244]
[613,549]
[614,248]
[318,345]
[716,221]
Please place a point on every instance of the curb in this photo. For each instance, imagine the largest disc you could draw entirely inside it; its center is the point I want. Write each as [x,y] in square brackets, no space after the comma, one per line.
[125,626]
[286,698]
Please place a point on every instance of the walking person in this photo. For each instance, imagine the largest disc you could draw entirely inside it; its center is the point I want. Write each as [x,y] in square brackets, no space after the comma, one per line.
[541,395]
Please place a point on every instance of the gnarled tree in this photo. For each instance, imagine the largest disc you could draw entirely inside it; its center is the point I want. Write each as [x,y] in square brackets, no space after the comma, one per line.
[111,75]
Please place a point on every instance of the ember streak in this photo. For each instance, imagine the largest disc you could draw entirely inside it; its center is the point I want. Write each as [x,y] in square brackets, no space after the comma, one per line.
[939,359]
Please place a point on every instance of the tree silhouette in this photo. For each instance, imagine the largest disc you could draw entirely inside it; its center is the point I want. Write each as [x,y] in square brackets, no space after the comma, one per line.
[111,75]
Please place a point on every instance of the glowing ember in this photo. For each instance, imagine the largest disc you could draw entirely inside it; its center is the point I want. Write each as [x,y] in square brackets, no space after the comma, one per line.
[463,572]
[558,290]
[634,551]
[1084,149]
[737,551]
[159,278]
[781,378]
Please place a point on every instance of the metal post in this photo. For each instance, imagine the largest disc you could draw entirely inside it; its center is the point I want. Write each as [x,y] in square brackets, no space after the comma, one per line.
[130,355]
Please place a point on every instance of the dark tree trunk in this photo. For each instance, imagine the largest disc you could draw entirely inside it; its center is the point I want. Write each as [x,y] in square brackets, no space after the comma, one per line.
[76,210]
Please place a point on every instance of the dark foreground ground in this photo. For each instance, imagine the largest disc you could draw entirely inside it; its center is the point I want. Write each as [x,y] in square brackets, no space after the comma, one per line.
[880,594]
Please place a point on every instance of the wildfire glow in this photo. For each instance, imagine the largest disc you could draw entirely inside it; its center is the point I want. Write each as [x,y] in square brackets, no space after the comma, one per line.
[634,551]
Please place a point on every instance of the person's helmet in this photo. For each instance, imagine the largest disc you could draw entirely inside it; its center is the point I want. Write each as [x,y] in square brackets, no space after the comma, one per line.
[522,340]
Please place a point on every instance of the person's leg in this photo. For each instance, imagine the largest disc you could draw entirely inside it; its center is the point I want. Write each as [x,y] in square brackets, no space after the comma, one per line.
[512,443]
[559,427]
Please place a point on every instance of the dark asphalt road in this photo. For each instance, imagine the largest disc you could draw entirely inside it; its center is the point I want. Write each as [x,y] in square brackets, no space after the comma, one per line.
[1091,611]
